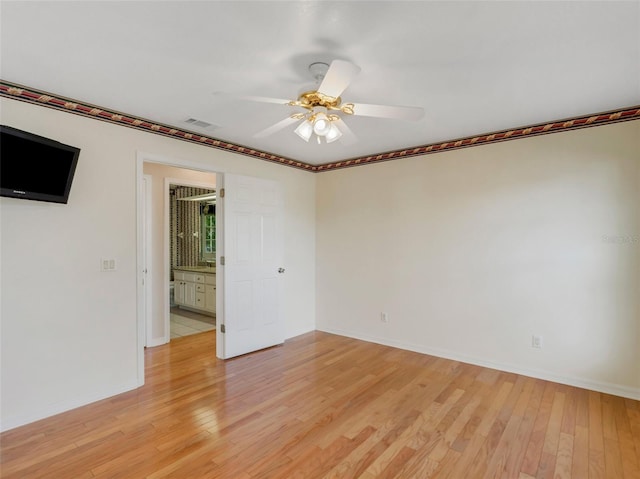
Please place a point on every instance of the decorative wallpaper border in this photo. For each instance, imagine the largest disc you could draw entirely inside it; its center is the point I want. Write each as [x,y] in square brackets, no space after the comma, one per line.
[22,93]
[597,119]
[29,95]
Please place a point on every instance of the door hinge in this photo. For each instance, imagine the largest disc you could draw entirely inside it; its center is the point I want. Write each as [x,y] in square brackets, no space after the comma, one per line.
[223,329]
[221,192]
[222,260]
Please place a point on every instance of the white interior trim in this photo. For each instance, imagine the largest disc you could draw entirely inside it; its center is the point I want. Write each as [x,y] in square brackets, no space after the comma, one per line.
[148,267]
[140,288]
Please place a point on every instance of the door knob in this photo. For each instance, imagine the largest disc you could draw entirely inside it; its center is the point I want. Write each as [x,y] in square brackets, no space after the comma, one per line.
[280,270]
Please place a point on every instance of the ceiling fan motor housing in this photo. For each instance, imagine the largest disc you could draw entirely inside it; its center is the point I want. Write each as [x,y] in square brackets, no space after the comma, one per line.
[312,99]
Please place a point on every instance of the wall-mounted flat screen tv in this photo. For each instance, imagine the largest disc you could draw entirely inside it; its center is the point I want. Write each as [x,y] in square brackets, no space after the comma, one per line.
[35,168]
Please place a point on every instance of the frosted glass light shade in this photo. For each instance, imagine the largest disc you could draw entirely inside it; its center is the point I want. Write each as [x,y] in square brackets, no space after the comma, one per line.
[304,130]
[334,133]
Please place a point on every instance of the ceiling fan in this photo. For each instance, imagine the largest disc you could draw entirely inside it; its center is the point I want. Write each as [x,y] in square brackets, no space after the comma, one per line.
[325,109]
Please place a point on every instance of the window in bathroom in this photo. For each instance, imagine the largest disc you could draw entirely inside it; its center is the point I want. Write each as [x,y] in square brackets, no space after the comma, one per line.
[208,222]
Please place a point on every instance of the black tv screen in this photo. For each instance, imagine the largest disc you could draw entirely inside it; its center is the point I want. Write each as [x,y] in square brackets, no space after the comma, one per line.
[35,168]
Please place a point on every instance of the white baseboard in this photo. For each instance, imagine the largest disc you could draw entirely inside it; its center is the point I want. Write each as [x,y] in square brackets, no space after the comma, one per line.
[8,423]
[603,387]
[299,332]
[157,342]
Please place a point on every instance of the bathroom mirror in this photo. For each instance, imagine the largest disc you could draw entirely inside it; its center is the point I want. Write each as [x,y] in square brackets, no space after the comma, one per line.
[192,226]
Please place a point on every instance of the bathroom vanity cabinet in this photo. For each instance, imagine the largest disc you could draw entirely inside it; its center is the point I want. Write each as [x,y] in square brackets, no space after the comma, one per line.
[195,290]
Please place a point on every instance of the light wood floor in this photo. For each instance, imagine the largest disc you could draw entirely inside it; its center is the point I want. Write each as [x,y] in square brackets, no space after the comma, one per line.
[328,406]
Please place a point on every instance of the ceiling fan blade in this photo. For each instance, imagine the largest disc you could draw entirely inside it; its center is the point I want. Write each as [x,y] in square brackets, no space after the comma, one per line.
[348,137]
[388,111]
[265,99]
[338,77]
[276,127]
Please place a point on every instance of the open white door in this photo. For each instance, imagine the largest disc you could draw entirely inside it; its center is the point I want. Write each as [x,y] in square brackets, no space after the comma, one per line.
[252,270]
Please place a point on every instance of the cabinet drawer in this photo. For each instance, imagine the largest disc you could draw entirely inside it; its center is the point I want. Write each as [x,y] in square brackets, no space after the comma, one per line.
[200,288]
[210,279]
[198,278]
[200,300]
[178,275]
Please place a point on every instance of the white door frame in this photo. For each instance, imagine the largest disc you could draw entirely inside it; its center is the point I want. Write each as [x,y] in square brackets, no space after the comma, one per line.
[141,158]
[146,256]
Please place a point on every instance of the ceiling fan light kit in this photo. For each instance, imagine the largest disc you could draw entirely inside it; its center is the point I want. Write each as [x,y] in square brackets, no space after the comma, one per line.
[321,124]
[333,81]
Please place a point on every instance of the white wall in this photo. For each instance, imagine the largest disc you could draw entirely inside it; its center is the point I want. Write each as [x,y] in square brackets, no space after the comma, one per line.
[156,275]
[473,251]
[69,332]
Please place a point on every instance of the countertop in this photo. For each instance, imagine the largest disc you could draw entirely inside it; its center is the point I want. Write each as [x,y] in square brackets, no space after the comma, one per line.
[197,269]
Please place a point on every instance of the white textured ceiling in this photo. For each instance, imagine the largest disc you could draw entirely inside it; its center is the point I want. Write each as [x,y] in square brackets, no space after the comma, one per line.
[475,67]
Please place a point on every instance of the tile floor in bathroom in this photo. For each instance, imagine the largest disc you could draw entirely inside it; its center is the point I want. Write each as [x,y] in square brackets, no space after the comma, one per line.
[186,323]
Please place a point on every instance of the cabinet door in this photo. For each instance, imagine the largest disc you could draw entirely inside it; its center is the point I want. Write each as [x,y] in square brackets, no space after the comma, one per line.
[178,291]
[210,298]
[190,294]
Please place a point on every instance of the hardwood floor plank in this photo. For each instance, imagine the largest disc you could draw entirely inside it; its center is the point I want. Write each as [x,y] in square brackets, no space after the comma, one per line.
[612,459]
[496,421]
[596,464]
[547,463]
[570,411]
[449,433]
[580,459]
[396,464]
[536,439]
[499,461]
[634,421]
[564,456]
[609,429]
[327,406]
[596,437]
[422,434]
[519,445]
[630,457]
[507,425]
[358,457]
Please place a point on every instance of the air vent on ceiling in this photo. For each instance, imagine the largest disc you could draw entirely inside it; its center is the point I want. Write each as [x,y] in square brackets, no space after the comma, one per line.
[200,123]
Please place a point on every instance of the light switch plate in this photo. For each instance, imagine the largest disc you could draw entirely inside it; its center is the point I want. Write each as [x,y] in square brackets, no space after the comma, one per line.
[107,264]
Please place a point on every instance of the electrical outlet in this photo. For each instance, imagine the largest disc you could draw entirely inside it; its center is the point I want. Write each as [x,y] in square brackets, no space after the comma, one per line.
[384,317]
[536,341]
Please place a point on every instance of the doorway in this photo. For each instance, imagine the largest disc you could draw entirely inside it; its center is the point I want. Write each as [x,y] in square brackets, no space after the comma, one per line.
[192,259]
[249,292]
[156,318]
